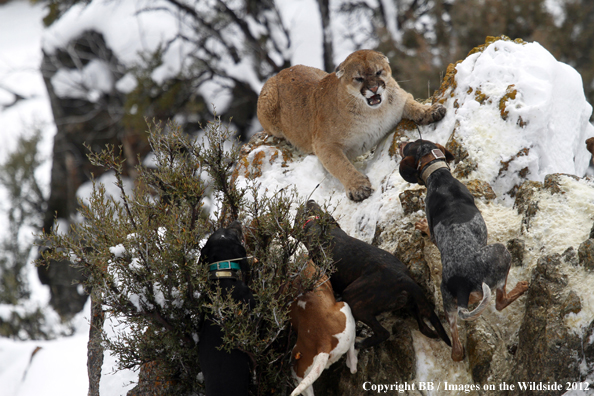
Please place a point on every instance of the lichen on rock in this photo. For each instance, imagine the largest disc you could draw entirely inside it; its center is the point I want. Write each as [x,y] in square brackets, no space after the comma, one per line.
[547,349]
[260,147]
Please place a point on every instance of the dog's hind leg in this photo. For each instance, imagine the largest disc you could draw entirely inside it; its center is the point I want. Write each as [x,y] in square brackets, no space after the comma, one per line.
[380,334]
[351,359]
[365,305]
[457,348]
[463,312]
[311,373]
[498,260]
[503,299]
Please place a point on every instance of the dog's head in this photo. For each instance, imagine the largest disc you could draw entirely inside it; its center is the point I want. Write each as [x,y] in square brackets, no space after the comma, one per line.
[313,220]
[226,244]
[417,155]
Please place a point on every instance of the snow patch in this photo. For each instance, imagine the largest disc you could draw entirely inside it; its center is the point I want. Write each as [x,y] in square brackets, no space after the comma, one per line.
[90,83]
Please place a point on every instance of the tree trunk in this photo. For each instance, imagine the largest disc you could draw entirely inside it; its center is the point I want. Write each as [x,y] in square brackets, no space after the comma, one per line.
[328,53]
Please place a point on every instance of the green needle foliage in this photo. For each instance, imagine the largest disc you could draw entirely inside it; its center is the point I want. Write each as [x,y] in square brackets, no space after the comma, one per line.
[140,255]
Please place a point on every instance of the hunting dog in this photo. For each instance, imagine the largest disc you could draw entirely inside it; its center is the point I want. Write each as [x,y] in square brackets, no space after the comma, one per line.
[471,268]
[369,279]
[225,373]
[325,331]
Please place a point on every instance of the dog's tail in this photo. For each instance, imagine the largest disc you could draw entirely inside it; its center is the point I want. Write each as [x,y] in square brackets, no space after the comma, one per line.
[423,310]
[439,328]
[318,365]
[464,314]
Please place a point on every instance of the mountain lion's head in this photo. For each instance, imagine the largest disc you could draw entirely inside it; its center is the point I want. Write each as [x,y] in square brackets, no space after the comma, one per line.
[365,74]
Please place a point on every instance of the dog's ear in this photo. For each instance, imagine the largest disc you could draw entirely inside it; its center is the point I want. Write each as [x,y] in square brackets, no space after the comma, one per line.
[408,169]
[449,156]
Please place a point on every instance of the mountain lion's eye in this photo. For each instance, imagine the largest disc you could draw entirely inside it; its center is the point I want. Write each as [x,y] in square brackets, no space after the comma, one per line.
[359,79]
[379,73]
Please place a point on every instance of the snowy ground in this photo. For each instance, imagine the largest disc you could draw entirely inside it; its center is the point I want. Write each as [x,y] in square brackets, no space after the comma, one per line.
[59,367]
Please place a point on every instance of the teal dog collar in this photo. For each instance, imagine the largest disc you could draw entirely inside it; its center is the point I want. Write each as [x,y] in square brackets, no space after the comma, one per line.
[224,265]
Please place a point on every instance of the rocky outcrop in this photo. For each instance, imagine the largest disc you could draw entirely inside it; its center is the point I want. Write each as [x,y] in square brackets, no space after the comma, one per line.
[543,346]
[586,254]
[547,348]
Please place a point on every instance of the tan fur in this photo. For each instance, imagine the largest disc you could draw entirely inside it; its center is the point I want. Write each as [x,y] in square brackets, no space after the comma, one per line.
[330,115]
[319,322]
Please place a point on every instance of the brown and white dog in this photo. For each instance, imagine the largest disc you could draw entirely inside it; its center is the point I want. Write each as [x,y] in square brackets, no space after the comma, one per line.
[470,267]
[325,331]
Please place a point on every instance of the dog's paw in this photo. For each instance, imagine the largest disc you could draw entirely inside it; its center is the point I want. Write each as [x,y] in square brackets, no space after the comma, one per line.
[422,226]
[360,190]
[521,287]
[458,354]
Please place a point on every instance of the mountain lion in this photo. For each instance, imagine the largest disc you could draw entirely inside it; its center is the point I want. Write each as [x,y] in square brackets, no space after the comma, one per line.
[340,115]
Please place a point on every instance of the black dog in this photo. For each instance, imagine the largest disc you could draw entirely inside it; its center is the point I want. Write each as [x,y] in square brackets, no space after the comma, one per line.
[470,266]
[368,278]
[225,373]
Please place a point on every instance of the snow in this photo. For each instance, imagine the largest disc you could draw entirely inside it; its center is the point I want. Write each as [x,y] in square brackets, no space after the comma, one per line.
[59,367]
[555,8]
[126,30]
[20,57]
[549,99]
[303,19]
[90,83]
[108,180]
[134,28]
[555,114]
[126,84]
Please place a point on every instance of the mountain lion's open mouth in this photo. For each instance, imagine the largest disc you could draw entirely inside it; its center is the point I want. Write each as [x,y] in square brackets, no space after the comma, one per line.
[374,100]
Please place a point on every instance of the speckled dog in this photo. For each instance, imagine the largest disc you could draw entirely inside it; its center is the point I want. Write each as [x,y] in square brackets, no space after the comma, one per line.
[471,268]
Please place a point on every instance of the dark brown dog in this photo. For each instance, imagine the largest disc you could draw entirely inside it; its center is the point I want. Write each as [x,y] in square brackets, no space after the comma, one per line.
[470,267]
[368,278]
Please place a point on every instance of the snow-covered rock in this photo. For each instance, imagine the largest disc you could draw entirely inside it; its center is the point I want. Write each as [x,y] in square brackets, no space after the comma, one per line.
[515,116]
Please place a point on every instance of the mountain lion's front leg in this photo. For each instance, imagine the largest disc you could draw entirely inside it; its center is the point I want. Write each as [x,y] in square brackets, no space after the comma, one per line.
[422,114]
[356,184]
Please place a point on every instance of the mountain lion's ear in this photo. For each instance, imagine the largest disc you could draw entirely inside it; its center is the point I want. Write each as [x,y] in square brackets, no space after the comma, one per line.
[339,70]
